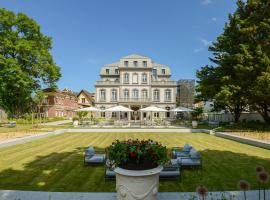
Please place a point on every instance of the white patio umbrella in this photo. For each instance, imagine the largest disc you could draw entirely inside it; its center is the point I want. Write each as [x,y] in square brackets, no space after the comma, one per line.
[182,109]
[152,109]
[118,109]
[89,109]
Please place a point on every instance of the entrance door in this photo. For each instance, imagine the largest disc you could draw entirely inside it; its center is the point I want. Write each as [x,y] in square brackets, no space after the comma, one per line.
[135,115]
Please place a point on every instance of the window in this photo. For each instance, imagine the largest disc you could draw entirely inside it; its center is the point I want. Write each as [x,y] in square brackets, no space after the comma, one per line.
[163,71]
[83,100]
[144,63]
[135,78]
[155,73]
[135,63]
[126,63]
[102,114]
[113,114]
[156,114]
[144,78]
[114,95]
[144,94]
[126,93]
[135,94]
[102,95]
[156,95]
[116,71]
[126,77]
[107,71]
[168,95]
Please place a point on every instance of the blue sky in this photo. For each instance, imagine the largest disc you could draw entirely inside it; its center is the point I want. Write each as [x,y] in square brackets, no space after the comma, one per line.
[90,33]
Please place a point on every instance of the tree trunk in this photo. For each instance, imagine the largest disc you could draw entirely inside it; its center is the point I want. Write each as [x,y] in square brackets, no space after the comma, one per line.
[236,115]
[265,113]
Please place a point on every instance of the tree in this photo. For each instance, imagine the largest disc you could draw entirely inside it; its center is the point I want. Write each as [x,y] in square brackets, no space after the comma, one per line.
[26,63]
[241,55]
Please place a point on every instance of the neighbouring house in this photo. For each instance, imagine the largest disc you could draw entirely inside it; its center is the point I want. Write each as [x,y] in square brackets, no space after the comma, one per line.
[186,93]
[136,82]
[59,103]
[86,99]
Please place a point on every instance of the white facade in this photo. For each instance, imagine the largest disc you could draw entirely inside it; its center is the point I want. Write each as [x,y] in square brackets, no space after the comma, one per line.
[136,82]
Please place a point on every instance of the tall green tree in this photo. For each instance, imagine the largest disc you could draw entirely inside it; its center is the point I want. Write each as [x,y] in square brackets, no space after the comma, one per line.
[241,57]
[26,64]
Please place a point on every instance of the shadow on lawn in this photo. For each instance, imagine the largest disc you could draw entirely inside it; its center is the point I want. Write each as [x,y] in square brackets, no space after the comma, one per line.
[65,171]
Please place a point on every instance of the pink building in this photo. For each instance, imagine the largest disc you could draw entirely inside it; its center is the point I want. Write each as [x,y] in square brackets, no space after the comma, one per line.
[59,103]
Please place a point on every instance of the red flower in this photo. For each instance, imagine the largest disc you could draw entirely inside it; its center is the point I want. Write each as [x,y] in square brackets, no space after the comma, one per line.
[132,154]
[202,191]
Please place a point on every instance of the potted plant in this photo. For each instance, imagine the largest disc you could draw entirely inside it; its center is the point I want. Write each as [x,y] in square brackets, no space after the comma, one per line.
[196,113]
[138,164]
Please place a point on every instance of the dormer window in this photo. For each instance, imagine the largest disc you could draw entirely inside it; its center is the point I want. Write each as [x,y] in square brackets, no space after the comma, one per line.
[126,63]
[107,71]
[135,63]
[163,71]
[144,63]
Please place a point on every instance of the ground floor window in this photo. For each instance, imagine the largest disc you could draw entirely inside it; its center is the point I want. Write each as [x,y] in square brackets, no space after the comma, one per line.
[156,114]
[102,114]
[168,114]
[113,114]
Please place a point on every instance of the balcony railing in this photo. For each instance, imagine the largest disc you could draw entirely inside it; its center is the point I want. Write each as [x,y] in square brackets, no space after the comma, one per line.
[103,83]
[145,100]
[162,83]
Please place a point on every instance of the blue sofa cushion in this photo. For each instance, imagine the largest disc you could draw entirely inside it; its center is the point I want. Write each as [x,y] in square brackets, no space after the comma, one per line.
[187,148]
[194,153]
[90,151]
[96,159]
[190,162]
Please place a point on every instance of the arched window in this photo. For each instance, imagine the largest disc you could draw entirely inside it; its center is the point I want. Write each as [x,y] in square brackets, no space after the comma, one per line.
[135,78]
[114,95]
[135,94]
[126,78]
[102,95]
[156,95]
[126,93]
[144,78]
[144,94]
[168,95]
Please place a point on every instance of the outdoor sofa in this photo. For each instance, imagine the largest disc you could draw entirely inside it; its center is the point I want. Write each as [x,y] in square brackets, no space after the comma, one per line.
[91,158]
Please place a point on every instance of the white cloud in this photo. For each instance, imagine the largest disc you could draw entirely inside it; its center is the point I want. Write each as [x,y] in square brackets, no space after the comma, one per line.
[198,50]
[206,2]
[205,42]
[214,19]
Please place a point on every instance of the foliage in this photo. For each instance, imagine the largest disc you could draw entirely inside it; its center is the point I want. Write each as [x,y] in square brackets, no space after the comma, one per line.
[240,76]
[26,63]
[197,112]
[135,154]
[81,114]
[75,118]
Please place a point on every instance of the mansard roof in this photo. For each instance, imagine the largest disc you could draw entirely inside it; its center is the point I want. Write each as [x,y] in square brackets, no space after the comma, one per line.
[134,56]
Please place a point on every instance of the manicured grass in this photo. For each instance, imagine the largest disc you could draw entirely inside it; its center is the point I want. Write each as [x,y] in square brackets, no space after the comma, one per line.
[56,163]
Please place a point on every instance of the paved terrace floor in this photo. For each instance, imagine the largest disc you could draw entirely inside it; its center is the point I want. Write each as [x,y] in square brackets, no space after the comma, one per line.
[29,195]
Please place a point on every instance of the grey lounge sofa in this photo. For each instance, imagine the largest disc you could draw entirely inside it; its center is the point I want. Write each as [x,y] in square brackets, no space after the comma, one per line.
[193,161]
[91,158]
[181,152]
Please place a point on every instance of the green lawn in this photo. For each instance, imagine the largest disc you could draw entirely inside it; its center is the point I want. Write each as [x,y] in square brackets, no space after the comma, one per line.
[56,163]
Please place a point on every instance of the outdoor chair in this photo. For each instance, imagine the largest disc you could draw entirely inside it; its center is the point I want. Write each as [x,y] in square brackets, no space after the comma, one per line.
[184,152]
[90,158]
[171,170]
[193,161]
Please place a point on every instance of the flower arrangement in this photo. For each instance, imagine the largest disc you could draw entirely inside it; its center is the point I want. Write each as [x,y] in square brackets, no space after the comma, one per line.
[136,154]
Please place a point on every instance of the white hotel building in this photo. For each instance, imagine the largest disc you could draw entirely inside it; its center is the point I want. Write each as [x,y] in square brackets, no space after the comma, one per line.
[136,82]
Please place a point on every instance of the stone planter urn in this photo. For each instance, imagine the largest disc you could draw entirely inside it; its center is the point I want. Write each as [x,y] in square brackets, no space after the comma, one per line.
[75,123]
[194,124]
[137,184]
